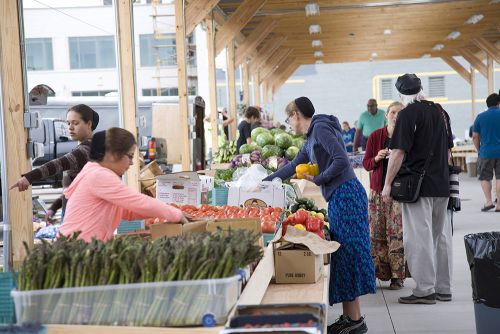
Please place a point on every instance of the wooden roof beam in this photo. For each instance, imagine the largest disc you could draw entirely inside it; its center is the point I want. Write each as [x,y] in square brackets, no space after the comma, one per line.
[236,22]
[462,71]
[280,68]
[284,72]
[196,11]
[489,48]
[254,39]
[269,47]
[285,77]
[274,61]
[474,61]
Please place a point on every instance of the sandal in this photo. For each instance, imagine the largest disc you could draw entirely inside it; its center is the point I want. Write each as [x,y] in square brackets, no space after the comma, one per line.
[487,208]
[396,284]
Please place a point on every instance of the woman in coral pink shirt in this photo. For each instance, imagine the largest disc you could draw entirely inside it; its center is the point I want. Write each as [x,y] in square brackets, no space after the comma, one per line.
[98,199]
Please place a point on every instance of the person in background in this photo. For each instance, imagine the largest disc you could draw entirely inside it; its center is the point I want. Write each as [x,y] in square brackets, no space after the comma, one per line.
[386,226]
[352,271]
[226,120]
[258,123]
[369,121]
[486,139]
[348,136]
[82,121]
[252,115]
[98,200]
[421,127]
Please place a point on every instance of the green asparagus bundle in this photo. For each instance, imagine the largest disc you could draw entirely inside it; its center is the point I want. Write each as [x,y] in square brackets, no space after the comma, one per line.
[70,262]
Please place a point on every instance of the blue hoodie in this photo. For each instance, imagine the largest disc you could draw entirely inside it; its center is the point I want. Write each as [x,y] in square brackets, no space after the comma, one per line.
[325,147]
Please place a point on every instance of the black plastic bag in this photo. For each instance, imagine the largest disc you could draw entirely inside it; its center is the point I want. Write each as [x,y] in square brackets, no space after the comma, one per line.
[483,255]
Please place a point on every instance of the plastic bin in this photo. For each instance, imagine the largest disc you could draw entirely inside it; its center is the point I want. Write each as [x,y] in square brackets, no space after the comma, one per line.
[483,255]
[219,196]
[181,303]
[7,283]
[127,226]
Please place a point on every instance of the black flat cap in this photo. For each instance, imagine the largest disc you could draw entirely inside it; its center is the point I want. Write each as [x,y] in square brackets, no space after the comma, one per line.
[408,84]
[305,106]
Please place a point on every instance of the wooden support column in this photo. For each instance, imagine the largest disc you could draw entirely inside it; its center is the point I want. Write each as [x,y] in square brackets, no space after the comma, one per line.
[490,74]
[212,83]
[126,70]
[236,22]
[267,50]
[231,86]
[196,11]
[245,84]
[256,89]
[489,48]
[180,40]
[265,91]
[19,207]
[254,39]
[473,93]
[474,61]
[462,71]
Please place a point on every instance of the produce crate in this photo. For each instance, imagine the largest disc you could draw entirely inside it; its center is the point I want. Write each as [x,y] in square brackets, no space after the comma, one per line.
[219,196]
[7,283]
[127,226]
[179,303]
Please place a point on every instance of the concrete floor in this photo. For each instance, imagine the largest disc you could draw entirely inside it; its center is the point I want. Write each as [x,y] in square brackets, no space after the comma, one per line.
[385,315]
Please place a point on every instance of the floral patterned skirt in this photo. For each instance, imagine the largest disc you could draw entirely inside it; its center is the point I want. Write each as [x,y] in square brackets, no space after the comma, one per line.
[352,273]
[386,232]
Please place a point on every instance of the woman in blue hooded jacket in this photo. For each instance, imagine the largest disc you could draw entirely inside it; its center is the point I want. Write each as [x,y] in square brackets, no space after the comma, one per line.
[352,270]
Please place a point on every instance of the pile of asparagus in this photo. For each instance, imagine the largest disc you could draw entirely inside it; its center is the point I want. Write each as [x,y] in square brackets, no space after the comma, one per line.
[70,262]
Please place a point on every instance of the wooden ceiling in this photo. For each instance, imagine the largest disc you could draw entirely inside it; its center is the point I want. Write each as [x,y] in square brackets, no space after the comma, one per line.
[353,30]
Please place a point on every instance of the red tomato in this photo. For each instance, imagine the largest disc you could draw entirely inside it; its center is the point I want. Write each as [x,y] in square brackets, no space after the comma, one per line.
[314,224]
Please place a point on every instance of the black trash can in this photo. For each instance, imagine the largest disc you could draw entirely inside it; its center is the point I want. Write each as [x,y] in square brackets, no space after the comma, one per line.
[483,255]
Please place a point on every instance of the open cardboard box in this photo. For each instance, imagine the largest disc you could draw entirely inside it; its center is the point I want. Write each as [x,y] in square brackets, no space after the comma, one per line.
[299,256]
[184,188]
[210,225]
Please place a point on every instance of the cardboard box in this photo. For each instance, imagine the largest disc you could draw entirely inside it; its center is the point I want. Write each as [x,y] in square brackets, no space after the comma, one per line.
[184,188]
[268,195]
[170,229]
[299,256]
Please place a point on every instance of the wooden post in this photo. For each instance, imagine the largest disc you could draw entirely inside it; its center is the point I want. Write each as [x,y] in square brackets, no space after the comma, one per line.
[473,92]
[490,74]
[126,70]
[256,89]
[19,207]
[196,11]
[265,96]
[245,84]
[212,83]
[231,84]
[180,40]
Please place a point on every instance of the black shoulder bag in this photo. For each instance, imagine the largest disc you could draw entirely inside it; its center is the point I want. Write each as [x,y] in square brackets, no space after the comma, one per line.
[407,183]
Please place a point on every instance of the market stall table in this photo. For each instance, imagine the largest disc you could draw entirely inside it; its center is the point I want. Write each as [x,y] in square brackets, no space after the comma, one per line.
[259,290]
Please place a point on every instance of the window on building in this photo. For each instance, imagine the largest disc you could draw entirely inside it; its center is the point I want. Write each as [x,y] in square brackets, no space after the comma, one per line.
[153,50]
[39,54]
[386,85]
[92,52]
[91,93]
[172,91]
[436,86]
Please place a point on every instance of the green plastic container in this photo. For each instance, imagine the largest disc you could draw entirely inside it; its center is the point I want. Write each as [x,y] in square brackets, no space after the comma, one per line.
[7,283]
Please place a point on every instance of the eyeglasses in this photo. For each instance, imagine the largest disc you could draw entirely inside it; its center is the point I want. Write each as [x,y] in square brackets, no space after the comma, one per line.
[287,120]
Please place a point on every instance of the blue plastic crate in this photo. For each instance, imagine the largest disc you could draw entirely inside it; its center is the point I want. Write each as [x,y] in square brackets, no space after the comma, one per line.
[7,313]
[219,196]
[127,226]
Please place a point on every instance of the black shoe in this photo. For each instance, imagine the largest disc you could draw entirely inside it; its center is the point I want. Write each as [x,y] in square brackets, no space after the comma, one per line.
[396,284]
[430,299]
[344,325]
[444,297]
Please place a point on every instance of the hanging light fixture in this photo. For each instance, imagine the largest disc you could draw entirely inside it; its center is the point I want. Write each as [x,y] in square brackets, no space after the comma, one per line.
[319,62]
[314,29]
[312,9]
[474,19]
[437,47]
[453,35]
[316,43]
[426,55]
[318,54]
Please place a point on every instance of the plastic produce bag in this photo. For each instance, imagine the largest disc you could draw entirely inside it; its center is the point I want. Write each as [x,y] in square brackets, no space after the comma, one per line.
[48,232]
[252,178]
[483,255]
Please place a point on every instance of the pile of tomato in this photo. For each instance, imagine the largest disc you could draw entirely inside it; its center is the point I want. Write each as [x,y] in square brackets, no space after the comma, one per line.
[269,217]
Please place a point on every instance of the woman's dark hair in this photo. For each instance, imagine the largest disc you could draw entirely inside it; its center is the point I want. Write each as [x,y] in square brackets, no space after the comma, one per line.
[87,114]
[116,141]
[252,112]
